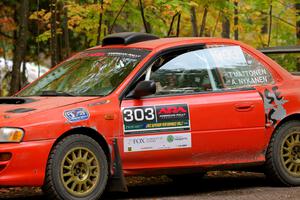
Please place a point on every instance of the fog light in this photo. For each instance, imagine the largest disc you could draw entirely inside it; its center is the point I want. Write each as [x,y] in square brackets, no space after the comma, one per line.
[5,156]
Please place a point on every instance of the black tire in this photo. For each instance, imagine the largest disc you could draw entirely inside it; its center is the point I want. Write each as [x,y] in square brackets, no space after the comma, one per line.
[278,162]
[55,186]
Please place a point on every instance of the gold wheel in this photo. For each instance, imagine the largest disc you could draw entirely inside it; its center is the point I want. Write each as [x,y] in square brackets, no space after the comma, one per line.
[290,152]
[80,171]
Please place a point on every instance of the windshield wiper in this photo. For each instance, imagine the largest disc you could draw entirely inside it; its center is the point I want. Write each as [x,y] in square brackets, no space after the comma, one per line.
[49,93]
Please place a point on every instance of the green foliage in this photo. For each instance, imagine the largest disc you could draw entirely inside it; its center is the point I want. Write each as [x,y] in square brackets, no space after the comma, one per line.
[83,21]
[288,61]
[83,18]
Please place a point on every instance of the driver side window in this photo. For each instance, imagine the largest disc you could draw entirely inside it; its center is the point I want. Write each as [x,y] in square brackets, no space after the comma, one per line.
[182,74]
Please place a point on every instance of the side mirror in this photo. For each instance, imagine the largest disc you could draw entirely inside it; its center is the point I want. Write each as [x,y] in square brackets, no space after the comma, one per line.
[143,88]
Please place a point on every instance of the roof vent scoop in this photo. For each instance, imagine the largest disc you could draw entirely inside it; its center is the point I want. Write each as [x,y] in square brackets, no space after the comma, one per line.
[15,100]
[126,38]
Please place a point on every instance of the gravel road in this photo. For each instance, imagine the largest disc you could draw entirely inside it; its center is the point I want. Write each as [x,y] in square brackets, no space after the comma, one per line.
[214,186]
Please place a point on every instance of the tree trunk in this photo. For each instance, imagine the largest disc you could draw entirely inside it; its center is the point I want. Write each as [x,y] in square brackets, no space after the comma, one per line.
[178,25]
[171,25]
[106,28]
[104,31]
[86,41]
[114,22]
[264,28]
[203,23]
[59,47]
[298,21]
[23,74]
[38,43]
[236,20]
[216,24]
[20,47]
[53,42]
[297,6]
[145,22]
[100,22]
[66,33]
[4,58]
[194,21]
[225,26]
[270,24]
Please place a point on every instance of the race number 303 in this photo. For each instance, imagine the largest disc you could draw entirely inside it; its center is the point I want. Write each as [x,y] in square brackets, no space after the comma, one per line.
[139,114]
[156,118]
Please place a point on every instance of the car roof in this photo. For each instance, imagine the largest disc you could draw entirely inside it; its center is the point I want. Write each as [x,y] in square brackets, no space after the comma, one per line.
[163,43]
[157,45]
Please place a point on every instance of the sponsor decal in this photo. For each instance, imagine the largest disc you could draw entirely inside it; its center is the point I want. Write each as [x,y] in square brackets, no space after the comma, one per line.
[273,104]
[157,142]
[170,138]
[157,118]
[76,115]
[247,77]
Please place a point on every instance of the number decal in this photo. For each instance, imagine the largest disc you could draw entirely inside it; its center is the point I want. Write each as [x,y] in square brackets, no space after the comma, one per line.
[158,118]
[128,115]
[139,114]
[149,114]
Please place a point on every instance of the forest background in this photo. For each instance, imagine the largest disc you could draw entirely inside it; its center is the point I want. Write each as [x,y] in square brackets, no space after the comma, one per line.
[45,32]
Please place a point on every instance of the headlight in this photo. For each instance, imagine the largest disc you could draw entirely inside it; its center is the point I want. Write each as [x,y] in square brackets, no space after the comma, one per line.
[11,135]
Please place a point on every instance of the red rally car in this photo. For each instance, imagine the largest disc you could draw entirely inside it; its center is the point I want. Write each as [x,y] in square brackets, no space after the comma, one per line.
[142,105]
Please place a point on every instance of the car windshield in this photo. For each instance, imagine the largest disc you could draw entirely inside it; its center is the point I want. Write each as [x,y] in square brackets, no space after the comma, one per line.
[91,73]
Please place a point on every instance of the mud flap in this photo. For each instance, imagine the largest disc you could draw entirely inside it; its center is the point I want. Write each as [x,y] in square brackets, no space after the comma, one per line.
[117,182]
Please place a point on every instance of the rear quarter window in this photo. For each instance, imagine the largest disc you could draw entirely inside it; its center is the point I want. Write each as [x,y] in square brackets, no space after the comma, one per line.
[238,69]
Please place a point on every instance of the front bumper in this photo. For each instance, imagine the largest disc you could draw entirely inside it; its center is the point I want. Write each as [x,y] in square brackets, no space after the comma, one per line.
[27,165]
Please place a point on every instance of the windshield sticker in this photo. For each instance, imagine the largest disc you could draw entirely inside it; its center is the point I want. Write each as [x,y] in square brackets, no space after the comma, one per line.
[124,54]
[76,115]
[273,103]
[97,54]
[159,118]
[157,142]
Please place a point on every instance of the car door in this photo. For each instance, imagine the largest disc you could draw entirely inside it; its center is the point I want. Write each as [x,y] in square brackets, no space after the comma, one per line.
[192,119]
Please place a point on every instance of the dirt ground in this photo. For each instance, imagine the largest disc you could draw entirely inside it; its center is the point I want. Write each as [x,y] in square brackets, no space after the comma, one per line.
[214,186]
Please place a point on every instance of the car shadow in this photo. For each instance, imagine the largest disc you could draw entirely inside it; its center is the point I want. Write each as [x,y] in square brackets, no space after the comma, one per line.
[203,186]
[206,185]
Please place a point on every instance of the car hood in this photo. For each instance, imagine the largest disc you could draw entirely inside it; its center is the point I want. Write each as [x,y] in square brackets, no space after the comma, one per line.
[12,107]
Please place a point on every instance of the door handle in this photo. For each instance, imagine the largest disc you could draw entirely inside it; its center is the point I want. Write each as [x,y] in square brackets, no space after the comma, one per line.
[244,107]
